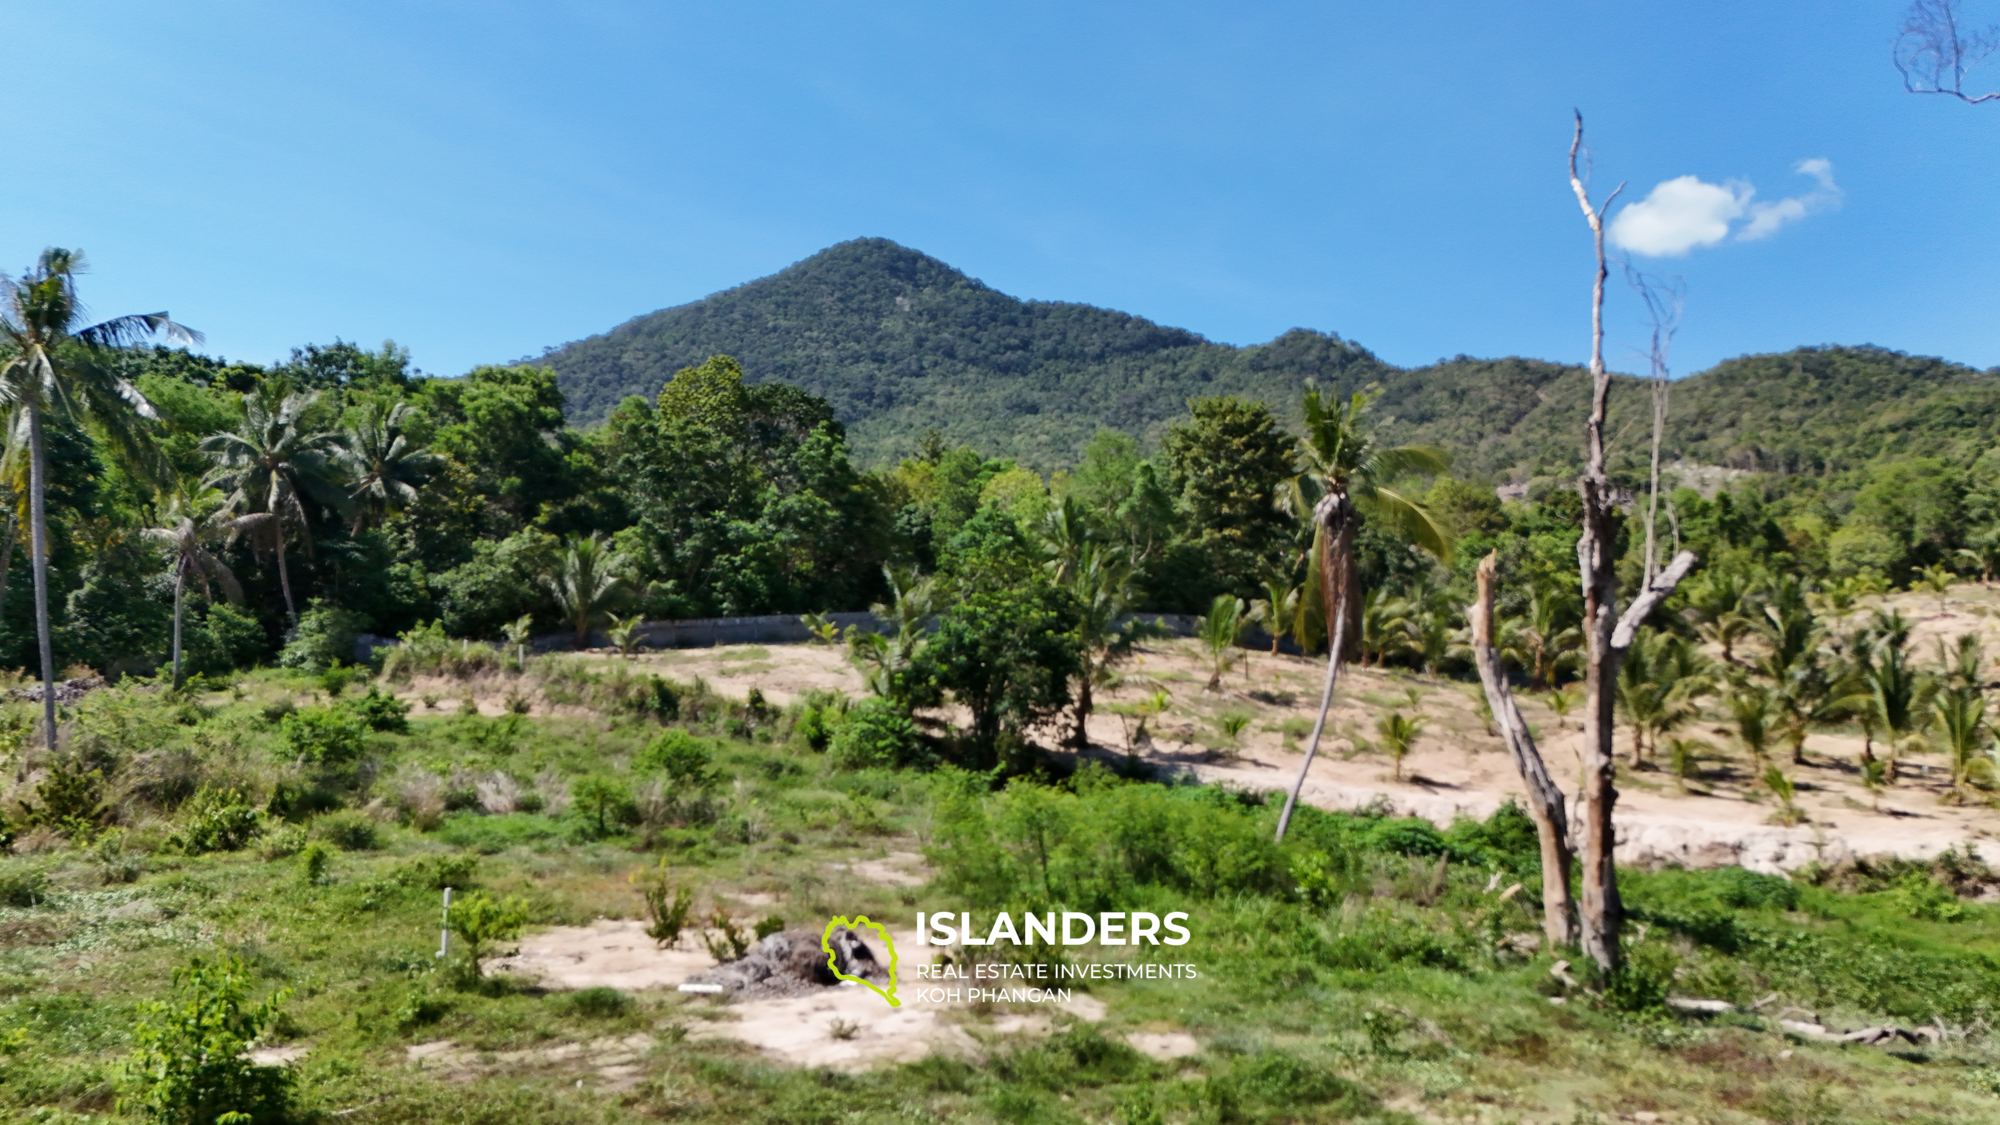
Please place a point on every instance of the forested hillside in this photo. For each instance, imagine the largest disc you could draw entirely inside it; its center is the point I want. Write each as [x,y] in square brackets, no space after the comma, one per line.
[901,343]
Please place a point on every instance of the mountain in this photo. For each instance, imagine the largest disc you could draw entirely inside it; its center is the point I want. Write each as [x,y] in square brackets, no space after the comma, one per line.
[901,343]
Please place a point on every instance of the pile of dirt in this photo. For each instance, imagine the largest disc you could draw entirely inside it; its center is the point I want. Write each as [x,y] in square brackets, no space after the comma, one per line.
[792,963]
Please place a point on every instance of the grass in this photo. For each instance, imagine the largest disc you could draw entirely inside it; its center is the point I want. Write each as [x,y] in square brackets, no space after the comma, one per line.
[1357,974]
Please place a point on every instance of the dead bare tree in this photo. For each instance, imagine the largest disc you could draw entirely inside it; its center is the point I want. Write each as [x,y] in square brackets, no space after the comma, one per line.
[1545,801]
[1664,298]
[1607,634]
[1934,50]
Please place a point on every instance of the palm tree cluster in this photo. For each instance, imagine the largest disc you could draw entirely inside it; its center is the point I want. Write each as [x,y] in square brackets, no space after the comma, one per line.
[288,460]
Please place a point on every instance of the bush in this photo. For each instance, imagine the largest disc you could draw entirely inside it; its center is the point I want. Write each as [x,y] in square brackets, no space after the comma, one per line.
[323,736]
[226,639]
[349,831]
[874,733]
[427,651]
[335,680]
[324,637]
[22,884]
[189,1066]
[435,873]
[599,1003]
[479,920]
[314,859]
[71,802]
[217,820]
[683,758]
[602,802]
[382,712]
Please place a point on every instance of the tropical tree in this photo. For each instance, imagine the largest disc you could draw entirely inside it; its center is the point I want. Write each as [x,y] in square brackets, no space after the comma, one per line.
[187,536]
[1892,694]
[383,466]
[1961,720]
[1277,611]
[1750,716]
[1346,479]
[281,455]
[1549,632]
[1802,693]
[1384,615]
[52,364]
[1100,582]
[1398,733]
[886,660]
[1217,632]
[1660,683]
[1722,604]
[587,579]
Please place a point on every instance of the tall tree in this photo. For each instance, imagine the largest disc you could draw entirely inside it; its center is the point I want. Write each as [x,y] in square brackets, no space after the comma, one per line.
[187,535]
[1346,479]
[282,454]
[1607,633]
[383,466]
[50,363]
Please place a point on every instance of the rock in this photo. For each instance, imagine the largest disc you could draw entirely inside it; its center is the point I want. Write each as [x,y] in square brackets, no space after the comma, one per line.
[1800,1027]
[791,963]
[138,910]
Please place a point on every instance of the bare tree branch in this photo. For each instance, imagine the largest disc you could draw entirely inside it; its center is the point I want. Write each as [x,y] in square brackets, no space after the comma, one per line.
[1664,297]
[1934,50]
[1660,589]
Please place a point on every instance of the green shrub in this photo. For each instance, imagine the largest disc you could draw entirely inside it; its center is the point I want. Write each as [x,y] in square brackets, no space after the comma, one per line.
[602,803]
[382,712]
[350,831]
[427,651]
[323,736]
[683,758]
[22,883]
[335,680]
[314,859]
[189,1068]
[217,820]
[435,873]
[599,1003]
[1921,897]
[324,637]
[71,802]
[479,920]
[874,732]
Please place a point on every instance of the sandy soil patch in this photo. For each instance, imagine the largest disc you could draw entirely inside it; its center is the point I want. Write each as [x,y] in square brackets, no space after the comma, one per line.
[1164,1045]
[897,869]
[608,953]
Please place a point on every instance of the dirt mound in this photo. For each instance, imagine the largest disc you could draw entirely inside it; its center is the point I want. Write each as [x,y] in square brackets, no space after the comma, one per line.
[792,963]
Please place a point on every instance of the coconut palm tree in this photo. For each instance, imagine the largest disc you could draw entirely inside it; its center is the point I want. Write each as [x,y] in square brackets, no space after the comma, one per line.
[1345,480]
[1722,603]
[1277,609]
[1659,684]
[1100,579]
[1961,714]
[282,454]
[1550,631]
[51,364]
[187,535]
[586,581]
[383,466]
[1217,632]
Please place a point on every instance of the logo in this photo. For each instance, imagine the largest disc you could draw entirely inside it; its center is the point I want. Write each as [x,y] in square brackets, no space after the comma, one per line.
[835,956]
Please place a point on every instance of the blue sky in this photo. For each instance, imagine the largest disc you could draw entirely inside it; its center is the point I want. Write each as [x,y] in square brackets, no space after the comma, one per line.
[478,180]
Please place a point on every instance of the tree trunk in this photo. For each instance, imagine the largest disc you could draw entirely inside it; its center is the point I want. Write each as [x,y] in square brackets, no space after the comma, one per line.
[180,584]
[1079,738]
[1545,801]
[7,554]
[1336,517]
[1606,634]
[39,544]
[284,574]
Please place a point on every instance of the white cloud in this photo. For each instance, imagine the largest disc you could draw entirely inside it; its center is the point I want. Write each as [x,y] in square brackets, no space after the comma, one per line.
[1686,213]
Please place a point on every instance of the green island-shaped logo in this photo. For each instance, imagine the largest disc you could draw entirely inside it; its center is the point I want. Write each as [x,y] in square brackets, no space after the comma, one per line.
[826,943]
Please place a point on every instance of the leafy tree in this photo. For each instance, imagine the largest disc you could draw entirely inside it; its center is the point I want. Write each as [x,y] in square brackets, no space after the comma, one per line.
[187,537]
[52,364]
[1008,653]
[504,424]
[1346,479]
[1226,463]
[586,581]
[282,454]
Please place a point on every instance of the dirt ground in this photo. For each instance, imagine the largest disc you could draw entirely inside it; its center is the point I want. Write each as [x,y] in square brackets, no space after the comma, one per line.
[1455,768]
